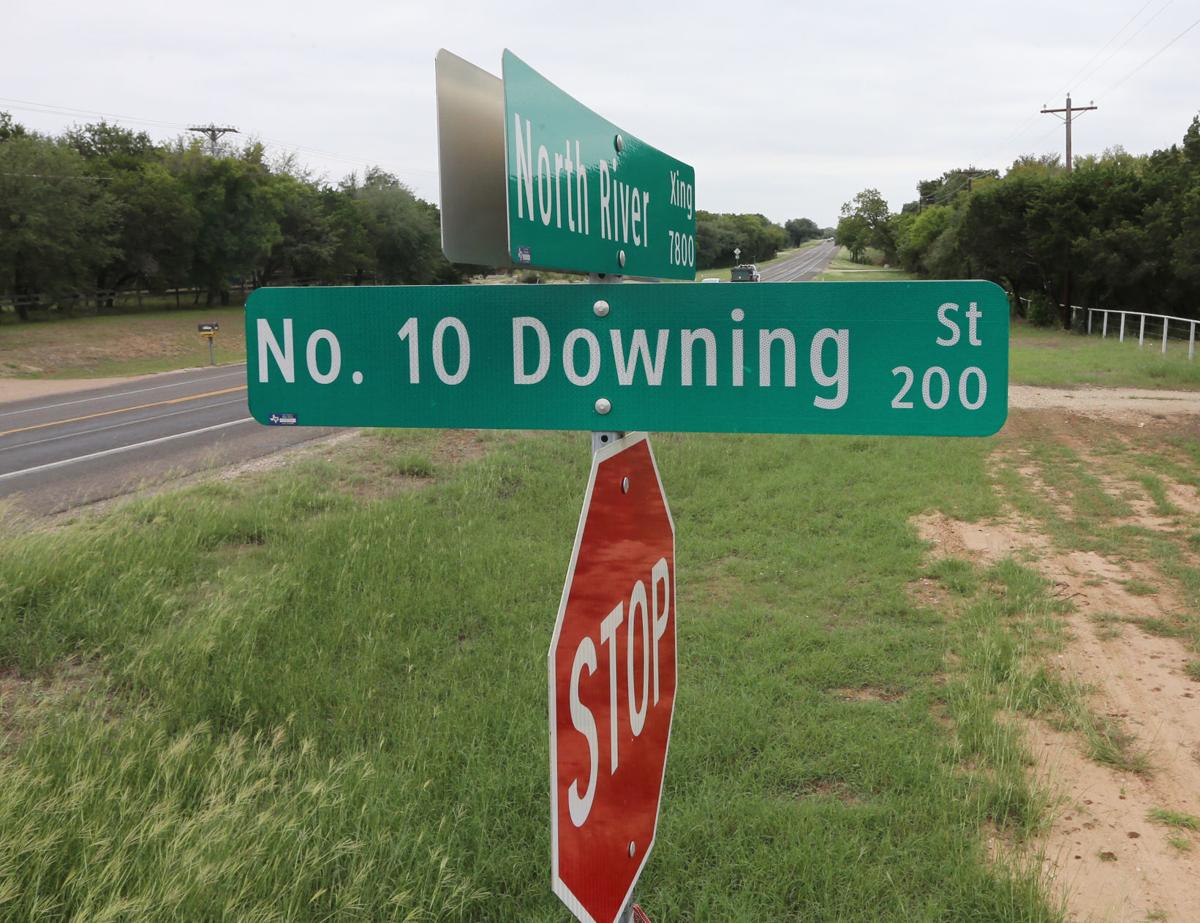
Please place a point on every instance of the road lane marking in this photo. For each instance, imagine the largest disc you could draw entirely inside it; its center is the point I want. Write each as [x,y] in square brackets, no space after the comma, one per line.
[123,448]
[104,429]
[109,413]
[105,397]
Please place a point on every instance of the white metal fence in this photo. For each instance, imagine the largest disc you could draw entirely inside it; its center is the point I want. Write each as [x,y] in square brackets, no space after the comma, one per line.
[1185,326]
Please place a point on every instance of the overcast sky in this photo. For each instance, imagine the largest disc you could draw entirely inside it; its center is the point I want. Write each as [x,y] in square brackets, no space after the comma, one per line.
[787,109]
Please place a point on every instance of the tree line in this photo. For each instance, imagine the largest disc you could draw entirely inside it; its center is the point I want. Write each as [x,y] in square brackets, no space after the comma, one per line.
[756,236]
[1119,230]
[100,209]
[103,209]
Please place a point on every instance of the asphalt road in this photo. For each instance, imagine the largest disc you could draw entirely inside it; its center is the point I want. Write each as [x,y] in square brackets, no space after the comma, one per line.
[73,449]
[804,266]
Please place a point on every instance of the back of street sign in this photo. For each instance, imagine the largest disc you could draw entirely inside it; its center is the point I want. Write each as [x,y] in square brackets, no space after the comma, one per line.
[891,358]
[532,177]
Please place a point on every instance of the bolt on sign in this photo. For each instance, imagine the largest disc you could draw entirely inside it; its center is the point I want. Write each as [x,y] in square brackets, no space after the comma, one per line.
[531,177]
[612,684]
[884,358]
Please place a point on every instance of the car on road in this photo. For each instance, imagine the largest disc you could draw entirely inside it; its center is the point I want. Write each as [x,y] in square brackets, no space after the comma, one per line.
[746,272]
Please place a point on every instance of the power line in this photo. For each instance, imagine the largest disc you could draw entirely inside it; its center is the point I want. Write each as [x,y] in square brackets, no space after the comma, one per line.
[1100,51]
[1028,122]
[1153,56]
[71,111]
[1120,47]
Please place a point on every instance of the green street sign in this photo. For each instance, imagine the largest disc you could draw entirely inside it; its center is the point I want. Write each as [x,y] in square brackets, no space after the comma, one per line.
[893,358]
[585,195]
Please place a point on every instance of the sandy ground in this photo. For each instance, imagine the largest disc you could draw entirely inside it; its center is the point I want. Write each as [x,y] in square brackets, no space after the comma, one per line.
[20,389]
[1104,402]
[1101,853]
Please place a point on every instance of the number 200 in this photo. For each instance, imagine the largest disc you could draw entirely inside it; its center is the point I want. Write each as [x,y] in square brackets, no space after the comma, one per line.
[938,374]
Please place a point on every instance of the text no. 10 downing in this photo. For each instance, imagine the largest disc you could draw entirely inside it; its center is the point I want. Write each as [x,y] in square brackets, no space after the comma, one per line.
[736,355]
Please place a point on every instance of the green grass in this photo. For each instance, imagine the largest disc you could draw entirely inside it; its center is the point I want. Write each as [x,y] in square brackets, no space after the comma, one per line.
[1054,358]
[304,702]
[1180,820]
[114,345]
[843,269]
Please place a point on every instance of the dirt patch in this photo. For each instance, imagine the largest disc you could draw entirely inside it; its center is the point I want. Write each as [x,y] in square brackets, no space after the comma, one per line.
[20,389]
[24,699]
[1136,405]
[1184,497]
[1100,852]
[979,542]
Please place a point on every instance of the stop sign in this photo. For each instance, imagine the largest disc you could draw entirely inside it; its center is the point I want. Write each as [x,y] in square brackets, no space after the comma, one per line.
[612,684]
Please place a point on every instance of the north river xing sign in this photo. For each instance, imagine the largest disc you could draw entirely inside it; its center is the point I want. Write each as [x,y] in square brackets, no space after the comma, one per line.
[898,358]
[532,177]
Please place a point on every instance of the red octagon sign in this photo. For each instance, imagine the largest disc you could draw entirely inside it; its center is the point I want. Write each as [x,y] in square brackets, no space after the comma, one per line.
[612,684]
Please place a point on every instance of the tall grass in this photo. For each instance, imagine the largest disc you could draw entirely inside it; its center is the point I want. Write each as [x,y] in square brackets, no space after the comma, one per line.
[317,706]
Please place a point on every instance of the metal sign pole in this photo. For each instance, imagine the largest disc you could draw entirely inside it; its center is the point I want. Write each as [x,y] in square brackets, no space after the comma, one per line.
[601,438]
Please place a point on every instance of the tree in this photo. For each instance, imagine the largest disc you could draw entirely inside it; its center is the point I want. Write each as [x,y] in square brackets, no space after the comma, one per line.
[57,224]
[238,207]
[718,235]
[402,231]
[157,222]
[9,128]
[854,234]
[872,225]
[801,229]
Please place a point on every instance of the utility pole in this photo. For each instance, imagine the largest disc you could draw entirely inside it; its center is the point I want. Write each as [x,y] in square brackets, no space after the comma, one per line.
[1066,114]
[215,132]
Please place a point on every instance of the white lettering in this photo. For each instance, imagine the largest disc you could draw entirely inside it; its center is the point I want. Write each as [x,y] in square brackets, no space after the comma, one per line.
[519,326]
[581,196]
[765,339]
[950,324]
[545,193]
[687,341]
[640,346]
[464,350]
[660,607]
[973,315]
[284,357]
[568,357]
[605,183]
[608,634]
[841,377]
[585,723]
[335,357]
[637,600]
[636,217]
[524,168]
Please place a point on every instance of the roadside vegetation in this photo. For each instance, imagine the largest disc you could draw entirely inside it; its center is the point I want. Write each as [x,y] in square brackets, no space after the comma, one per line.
[320,692]
[1128,226]
[1057,359]
[138,343]
[102,210]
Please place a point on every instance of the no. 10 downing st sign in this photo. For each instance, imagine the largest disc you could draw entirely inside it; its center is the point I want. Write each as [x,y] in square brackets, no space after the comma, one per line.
[897,358]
